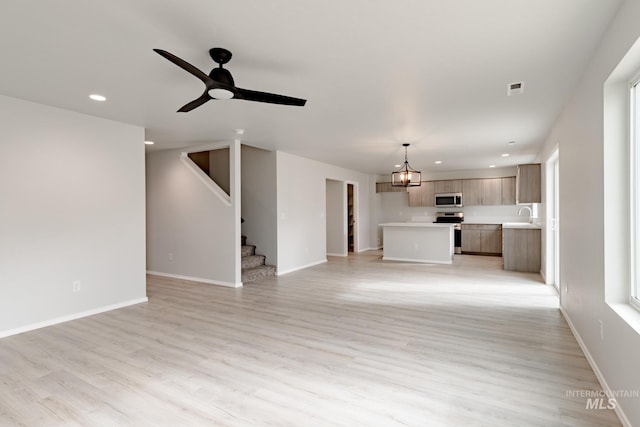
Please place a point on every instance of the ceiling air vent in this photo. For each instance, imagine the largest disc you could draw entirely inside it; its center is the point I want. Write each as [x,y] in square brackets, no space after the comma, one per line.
[515,88]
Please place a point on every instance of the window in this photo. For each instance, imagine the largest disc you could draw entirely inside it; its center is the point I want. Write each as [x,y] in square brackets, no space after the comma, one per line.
[634,186]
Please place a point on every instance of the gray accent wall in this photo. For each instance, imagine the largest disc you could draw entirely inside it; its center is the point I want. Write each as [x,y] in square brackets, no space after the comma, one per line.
[72,215]
[302,223]
[259,201]
[594,253]
[191,233]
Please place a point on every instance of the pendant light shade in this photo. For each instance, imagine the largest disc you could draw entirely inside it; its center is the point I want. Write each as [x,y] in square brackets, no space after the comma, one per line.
[406,176]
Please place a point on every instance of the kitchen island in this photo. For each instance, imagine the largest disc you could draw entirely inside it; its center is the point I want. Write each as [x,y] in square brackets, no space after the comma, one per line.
[418,242]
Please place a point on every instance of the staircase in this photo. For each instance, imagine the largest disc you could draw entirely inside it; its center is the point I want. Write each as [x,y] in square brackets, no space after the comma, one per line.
[253,266]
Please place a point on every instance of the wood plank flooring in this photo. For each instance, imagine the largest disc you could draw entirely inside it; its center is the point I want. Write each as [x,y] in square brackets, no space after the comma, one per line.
[354,342]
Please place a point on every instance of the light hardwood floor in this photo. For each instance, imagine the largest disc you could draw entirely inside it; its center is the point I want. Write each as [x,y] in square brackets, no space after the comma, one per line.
[353,342]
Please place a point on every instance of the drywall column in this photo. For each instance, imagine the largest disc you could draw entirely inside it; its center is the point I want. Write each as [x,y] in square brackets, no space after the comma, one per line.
[236,201]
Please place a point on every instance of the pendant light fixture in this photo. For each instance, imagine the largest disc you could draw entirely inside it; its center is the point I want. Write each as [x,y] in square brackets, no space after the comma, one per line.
[406,176]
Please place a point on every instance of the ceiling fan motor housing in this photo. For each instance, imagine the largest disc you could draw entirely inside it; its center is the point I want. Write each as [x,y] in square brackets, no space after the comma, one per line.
[222,75]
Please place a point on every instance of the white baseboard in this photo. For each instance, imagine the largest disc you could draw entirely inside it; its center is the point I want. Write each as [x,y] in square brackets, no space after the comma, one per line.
[370,249]
[618,410]
[196,279]
[302,267]
[421,261]
[70,317]
[342,255]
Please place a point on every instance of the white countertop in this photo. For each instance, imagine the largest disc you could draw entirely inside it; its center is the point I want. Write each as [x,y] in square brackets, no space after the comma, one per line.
[522,225]
[416,224]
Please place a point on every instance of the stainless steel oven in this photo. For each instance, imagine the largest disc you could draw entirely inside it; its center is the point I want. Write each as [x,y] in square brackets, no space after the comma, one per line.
[455,218]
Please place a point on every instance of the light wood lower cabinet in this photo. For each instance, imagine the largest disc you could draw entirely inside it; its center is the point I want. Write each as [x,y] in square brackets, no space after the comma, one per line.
[521,249]
[482,239]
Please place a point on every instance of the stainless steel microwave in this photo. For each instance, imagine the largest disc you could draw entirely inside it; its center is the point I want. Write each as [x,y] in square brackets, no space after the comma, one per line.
[449,200]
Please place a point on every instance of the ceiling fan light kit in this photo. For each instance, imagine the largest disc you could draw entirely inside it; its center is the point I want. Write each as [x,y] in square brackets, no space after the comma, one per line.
[218,93]
[406,176]
[219,83]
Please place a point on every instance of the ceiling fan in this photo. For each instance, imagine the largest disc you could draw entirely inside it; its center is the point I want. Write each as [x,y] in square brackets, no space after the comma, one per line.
[219,83]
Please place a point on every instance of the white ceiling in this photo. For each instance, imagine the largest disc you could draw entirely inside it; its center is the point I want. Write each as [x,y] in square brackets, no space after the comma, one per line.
[375,73]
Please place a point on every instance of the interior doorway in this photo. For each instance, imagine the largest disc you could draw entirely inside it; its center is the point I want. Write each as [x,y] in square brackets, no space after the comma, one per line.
[351,218]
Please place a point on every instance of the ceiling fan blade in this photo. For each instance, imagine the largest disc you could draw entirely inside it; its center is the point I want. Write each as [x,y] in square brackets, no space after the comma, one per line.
[185,66]
[271,98]
[195,103]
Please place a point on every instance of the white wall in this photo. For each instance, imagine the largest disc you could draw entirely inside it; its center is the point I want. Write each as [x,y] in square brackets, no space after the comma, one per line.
[302,210]
[71,209]
[579,132]
[336,218]
[191,233]
[259,201]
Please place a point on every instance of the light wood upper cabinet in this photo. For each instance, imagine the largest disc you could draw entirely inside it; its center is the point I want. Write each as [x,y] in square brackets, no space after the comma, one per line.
[472,192]
[386,187]
[475,192]
[448,186]
[491,191]
[423,195]
[482,192]
[528,184]
[509,190]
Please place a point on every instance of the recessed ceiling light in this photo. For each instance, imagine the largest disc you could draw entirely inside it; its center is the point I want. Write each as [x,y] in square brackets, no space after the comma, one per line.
[149,142]
[437,162]
[492,166]
[505,155]
[97,97]
[396,166]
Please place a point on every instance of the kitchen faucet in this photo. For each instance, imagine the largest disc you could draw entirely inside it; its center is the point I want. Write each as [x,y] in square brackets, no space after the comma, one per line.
[530,212]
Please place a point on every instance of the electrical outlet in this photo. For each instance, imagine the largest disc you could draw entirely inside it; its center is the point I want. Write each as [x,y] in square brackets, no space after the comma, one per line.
[76,286]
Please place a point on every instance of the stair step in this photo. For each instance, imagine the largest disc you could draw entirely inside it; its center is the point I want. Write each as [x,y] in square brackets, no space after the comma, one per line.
[247,250]
[255,274]
[251,261]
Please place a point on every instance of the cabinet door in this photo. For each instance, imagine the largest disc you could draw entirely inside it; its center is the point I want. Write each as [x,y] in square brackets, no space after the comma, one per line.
[386,187]
[471,240]
[472,192]
[415,196]
[492,239]
[422,196]
[528,184]
[448,186]
[482,238]
[509,190]
[521,249]
[491,191]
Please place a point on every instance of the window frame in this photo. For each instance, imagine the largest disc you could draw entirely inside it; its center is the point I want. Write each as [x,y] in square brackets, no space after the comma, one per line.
[634,191]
